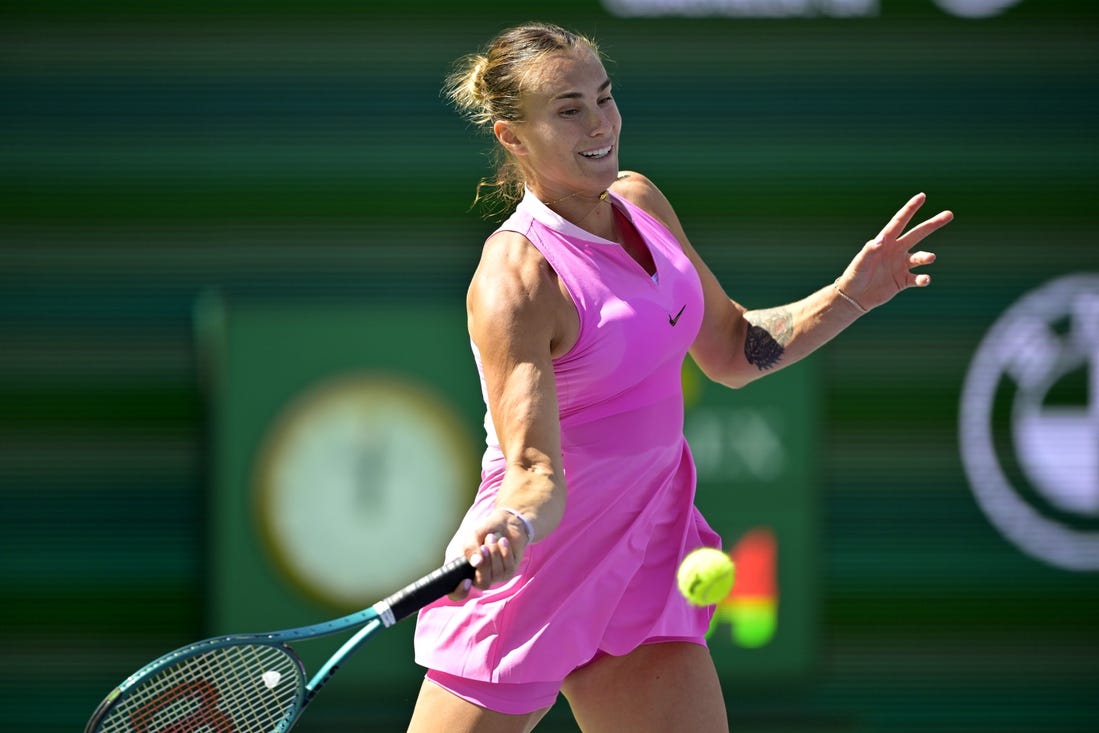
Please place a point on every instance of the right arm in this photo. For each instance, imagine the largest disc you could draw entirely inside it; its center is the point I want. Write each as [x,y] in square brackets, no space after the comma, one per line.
[519,318]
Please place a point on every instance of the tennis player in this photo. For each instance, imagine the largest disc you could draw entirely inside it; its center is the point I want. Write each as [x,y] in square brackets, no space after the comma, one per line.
[582,309]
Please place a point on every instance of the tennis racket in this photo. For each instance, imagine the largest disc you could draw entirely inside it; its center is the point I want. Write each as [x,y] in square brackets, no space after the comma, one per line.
[251,683]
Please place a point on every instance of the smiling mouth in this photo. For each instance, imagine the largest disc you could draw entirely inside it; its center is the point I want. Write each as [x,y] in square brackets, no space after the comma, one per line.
[598,154]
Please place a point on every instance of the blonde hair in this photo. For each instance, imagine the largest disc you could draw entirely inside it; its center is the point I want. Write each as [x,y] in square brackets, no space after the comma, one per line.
[488,86]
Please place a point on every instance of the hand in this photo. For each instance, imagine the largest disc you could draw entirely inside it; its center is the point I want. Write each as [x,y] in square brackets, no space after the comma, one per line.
[883,267]
[495,549]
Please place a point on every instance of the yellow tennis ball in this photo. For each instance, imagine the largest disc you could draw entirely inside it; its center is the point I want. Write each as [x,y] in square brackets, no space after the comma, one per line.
[705,576]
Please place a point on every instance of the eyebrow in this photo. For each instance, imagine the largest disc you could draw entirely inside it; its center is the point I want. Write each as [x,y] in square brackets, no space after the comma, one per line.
[577,95]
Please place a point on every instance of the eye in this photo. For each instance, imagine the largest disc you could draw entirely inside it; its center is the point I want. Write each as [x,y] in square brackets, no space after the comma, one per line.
[570,112]
[604,100]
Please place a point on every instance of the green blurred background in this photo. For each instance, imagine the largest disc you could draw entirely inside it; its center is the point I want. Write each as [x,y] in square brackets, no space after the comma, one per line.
[300,152]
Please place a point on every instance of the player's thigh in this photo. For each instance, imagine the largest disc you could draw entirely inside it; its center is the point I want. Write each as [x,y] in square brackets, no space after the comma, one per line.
[439,710]
[662,687]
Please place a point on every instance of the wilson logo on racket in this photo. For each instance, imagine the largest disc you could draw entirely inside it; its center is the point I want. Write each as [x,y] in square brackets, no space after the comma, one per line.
[190,706]
[251,683]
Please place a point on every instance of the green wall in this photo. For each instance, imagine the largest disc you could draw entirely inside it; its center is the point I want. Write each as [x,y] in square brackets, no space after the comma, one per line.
[300,152]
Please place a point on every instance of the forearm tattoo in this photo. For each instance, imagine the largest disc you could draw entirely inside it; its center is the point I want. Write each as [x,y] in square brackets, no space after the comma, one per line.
[768,333]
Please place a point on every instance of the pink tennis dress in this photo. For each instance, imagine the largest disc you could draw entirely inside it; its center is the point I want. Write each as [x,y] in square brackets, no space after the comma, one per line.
[604,581]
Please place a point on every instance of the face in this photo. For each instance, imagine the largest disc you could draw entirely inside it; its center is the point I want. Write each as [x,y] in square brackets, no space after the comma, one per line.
[568,138]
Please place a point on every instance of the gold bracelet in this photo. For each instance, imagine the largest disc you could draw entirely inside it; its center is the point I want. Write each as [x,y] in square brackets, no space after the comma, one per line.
[848,298]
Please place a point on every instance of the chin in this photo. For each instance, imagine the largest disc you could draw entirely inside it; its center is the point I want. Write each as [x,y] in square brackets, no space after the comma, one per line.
[608,173]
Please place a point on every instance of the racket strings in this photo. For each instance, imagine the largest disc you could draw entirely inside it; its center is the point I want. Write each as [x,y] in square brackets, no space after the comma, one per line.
[242,688]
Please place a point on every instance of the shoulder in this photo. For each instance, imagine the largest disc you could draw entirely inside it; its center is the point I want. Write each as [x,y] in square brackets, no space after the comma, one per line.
[640,191]
[512,278]
[630,184]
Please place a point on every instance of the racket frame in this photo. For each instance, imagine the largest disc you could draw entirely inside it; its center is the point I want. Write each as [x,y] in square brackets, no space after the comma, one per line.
[383,614]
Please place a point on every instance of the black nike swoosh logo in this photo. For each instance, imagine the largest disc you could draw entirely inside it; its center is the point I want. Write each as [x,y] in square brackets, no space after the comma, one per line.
[675,320]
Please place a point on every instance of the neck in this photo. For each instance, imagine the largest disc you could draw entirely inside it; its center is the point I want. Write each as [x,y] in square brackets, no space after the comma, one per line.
[577,194]
[585,210]
[592,214]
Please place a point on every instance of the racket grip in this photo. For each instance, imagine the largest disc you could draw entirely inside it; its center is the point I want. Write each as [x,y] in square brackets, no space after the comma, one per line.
[431,587]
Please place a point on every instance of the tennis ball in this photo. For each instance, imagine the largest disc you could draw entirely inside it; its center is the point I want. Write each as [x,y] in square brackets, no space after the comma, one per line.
[705,576]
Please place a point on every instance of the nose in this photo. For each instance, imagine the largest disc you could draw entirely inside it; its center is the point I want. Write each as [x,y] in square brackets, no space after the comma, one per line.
[599,122]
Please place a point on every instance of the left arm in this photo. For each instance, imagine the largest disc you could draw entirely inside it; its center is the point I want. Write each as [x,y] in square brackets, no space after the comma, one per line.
[736,345]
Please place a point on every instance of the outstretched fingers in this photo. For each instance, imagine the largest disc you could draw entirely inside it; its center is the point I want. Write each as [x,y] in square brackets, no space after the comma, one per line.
[900,220]
[894,230]
[886,265]
[922,230]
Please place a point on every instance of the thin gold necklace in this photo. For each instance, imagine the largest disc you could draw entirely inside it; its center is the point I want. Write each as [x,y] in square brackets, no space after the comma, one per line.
[595,205]
[602,197]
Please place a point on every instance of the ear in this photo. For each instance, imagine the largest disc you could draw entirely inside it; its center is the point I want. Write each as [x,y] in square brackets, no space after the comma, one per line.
[505,133]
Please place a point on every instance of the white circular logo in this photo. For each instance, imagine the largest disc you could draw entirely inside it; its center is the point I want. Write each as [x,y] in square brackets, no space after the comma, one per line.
[1029,423]
[349,468]
[975,8]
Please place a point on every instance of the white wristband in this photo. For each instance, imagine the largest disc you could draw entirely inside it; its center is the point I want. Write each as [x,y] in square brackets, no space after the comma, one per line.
[527,526]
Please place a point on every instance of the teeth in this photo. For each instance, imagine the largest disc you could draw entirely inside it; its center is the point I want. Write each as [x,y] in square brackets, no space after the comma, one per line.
[597,153]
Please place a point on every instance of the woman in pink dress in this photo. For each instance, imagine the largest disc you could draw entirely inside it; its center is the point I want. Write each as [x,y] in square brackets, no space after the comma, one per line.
[583,307]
